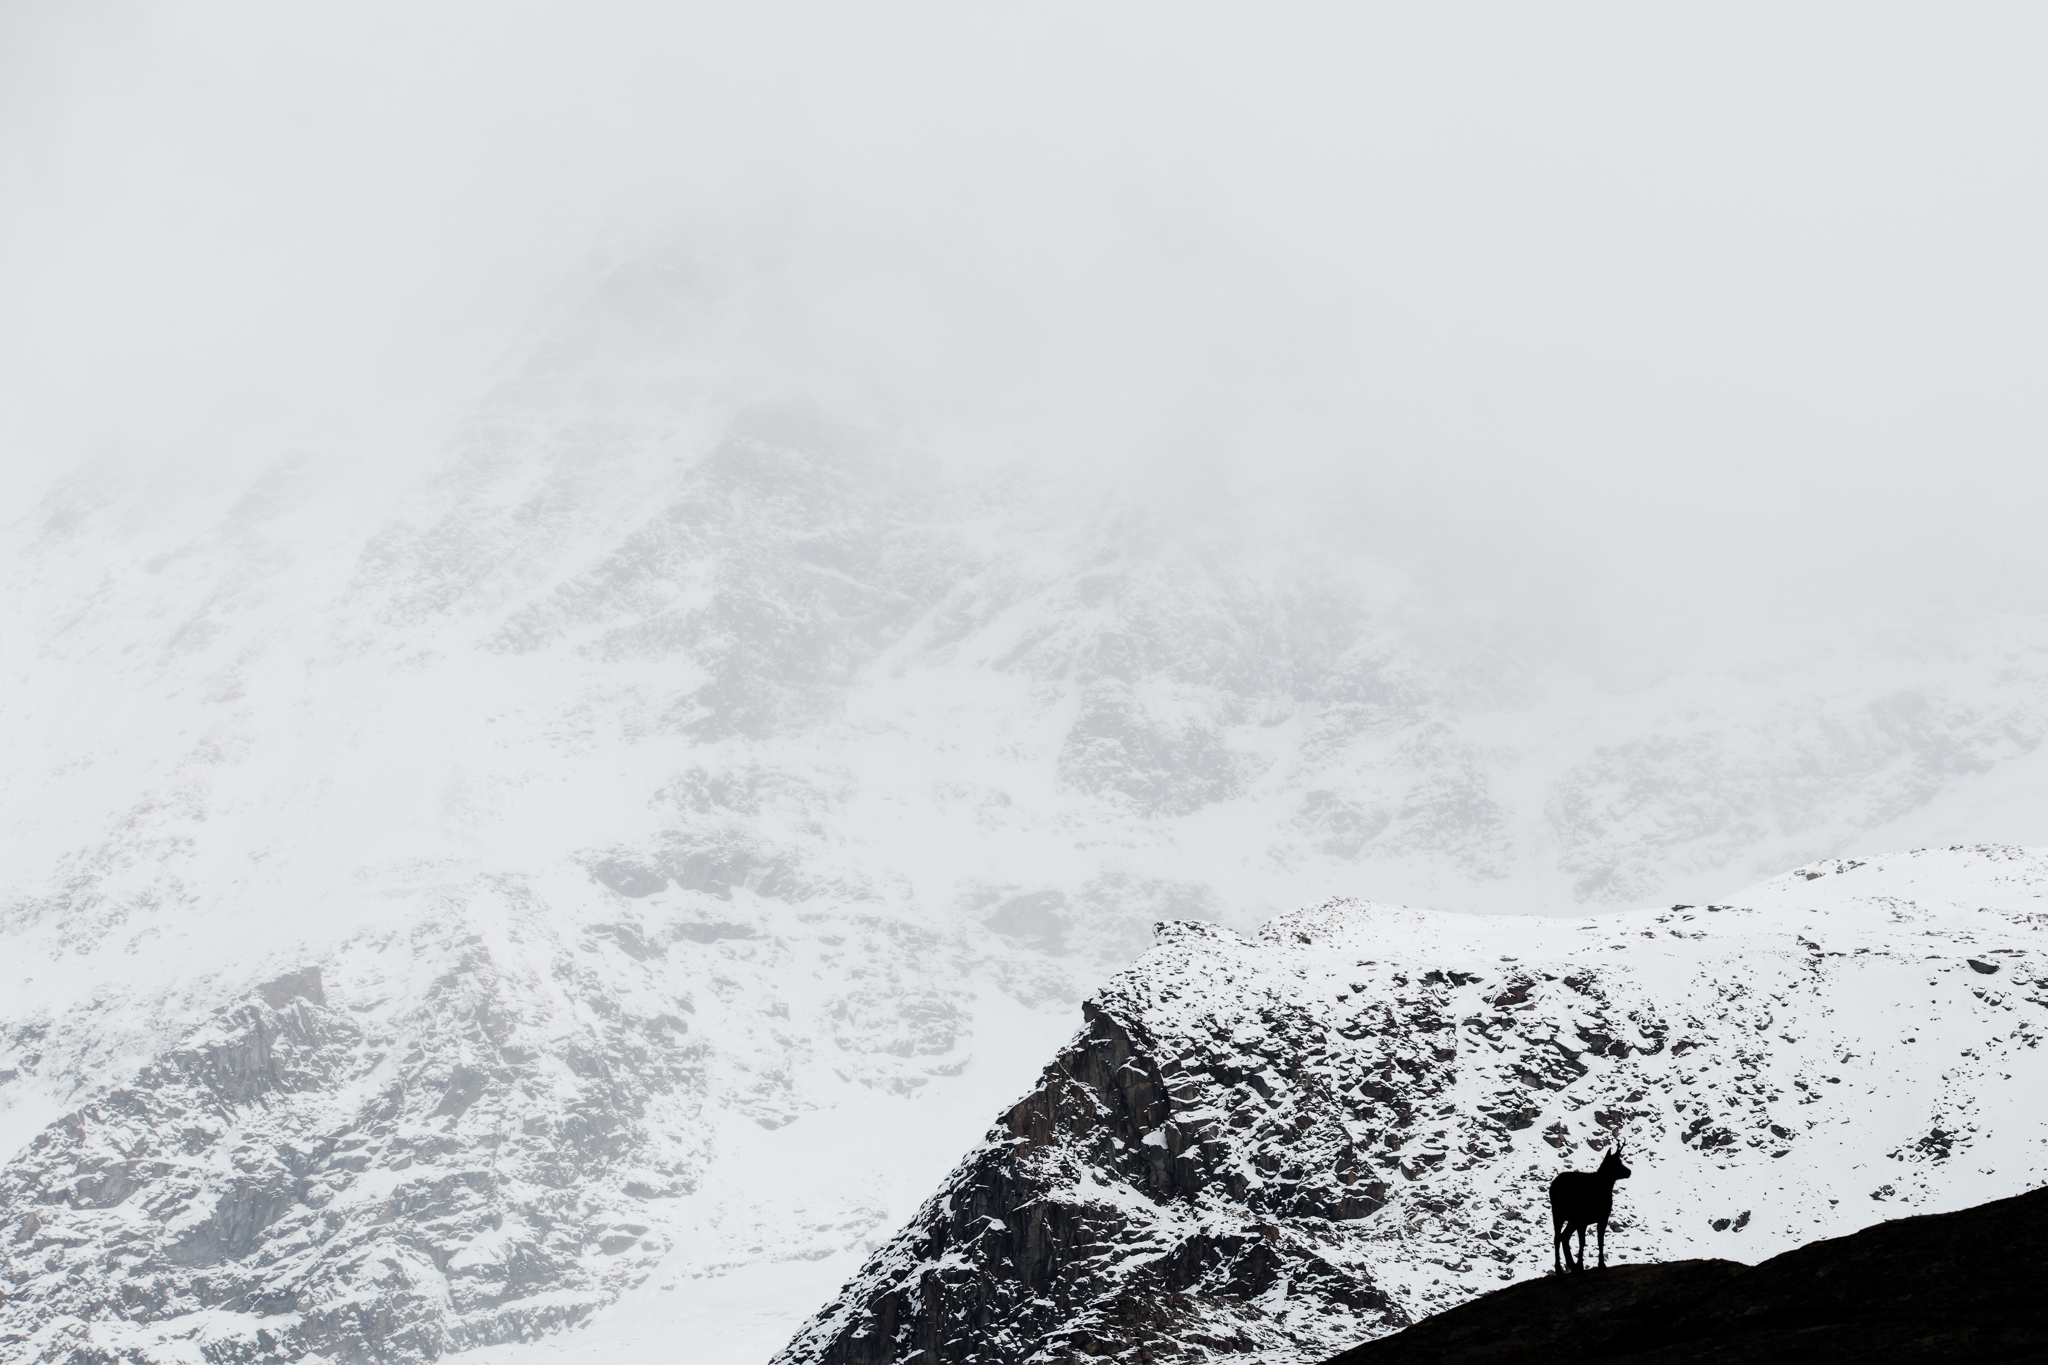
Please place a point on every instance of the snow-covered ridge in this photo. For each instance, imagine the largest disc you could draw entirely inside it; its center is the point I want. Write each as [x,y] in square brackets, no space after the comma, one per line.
[1283,1146]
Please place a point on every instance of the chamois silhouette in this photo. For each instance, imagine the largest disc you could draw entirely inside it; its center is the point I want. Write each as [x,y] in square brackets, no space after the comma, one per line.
[1580,1198]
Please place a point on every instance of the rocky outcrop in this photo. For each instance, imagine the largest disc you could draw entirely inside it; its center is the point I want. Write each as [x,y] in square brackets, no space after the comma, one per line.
[292,1181]
[1176,1242]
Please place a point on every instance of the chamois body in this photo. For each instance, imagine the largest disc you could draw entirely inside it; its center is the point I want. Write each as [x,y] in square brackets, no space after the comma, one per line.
[1582,1199]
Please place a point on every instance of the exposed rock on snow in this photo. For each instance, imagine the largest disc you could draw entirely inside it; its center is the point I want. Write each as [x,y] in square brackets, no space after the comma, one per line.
[1281,1146]
[294,1179]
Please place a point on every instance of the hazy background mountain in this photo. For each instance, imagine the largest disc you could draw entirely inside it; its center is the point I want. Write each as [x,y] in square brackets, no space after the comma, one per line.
[715,574]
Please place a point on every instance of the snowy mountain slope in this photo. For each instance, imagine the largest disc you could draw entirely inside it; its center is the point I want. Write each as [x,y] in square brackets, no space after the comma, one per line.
[475,1126]
[667,688]
[1279,1147]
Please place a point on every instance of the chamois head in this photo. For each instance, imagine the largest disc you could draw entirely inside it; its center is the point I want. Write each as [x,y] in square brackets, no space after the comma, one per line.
[1611,1167]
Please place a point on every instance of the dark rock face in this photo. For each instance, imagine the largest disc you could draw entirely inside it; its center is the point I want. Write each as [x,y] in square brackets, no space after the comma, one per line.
[1205,1180]
[1961,1286]
[300,985]
[1076,1182]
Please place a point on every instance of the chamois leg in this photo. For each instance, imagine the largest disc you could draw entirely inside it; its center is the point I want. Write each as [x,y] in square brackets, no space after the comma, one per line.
[1603,1244]
[1557,1242]
[1579,1261]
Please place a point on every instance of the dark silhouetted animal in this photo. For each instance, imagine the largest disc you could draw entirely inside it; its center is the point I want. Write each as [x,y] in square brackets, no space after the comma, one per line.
[1579,1199]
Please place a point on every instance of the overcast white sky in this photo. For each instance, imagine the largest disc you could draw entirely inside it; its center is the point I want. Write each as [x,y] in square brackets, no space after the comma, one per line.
[1705,315]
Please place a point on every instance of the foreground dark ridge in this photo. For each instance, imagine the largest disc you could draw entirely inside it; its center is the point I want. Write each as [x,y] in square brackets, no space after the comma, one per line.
[1945,1286]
